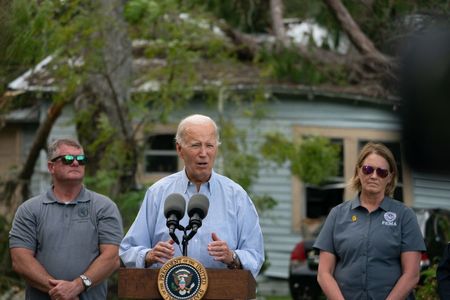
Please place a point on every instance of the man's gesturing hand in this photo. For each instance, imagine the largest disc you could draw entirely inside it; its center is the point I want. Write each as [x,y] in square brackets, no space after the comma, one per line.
[219,250]
[162,252]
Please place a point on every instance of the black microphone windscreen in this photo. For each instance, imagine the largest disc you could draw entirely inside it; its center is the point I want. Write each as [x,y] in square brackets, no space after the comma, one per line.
[199,204]
[175,204]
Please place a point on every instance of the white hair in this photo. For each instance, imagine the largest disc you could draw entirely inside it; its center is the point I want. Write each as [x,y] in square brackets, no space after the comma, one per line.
[196,119]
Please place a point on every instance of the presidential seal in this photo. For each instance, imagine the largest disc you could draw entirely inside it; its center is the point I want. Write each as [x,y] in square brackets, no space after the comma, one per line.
[182,278]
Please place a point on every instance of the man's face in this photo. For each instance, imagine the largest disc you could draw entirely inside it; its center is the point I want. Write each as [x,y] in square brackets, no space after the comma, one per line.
[66,172]
[198,151]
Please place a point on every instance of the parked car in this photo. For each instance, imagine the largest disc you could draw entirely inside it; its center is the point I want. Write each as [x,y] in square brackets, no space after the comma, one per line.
[303,270]
[434,225]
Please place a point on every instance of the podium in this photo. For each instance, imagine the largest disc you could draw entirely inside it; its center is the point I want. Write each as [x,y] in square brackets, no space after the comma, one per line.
[223,284]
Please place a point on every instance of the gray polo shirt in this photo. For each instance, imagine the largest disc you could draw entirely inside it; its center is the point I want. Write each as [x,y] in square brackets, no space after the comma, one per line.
[66,237]
[368,246]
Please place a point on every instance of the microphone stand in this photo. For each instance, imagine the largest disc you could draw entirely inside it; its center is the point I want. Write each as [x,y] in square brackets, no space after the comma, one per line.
[185,244]
[186,237]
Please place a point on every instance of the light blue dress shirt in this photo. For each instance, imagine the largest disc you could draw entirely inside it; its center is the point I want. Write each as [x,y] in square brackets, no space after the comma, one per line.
[231,215]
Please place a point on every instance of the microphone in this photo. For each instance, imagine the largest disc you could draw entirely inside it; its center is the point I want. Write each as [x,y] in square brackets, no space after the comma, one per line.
[197,211]
[174,208]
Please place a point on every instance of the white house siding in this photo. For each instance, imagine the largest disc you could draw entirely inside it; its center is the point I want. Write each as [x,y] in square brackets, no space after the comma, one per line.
[431,191]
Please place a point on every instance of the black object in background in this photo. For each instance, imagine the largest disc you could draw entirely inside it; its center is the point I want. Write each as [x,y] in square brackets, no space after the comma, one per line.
[443,275]
[425,92]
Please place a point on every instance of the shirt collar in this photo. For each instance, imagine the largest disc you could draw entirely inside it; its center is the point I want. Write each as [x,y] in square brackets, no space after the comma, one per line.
[356,202]
[385,204]
[190,188]
[83,196]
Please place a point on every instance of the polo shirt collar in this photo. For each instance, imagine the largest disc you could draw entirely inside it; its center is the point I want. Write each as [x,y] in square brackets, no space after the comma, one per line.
[356,202]
[83,196]
[385,204]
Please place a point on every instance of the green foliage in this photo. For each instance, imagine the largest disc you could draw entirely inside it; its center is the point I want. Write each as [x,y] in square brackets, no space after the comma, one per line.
[290,66]
[101,182]
[129,204]
[313,160]
[190,50]
[278,148]
[317,160]
[8,278]
[427,290]
[23,38]
[248,16]
[145,11]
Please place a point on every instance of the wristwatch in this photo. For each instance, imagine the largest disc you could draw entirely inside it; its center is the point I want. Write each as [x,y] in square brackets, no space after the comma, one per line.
[86,282]
[236,263]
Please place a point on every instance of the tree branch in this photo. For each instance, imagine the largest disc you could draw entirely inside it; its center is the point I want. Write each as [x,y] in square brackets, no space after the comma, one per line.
[247,47]
[358,38]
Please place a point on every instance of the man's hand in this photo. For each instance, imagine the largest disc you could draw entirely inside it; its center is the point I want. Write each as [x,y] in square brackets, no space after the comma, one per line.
[219,250]
[65,290]
[162,252]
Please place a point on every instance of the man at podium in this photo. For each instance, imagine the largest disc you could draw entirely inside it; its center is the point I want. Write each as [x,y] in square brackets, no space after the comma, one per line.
[230,234]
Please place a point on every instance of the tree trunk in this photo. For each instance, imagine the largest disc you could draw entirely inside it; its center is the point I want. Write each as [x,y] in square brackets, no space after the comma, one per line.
[106,93]
[276,12]
[16,190]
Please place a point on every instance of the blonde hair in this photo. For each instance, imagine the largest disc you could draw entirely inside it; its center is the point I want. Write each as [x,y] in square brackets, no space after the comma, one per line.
[383,151]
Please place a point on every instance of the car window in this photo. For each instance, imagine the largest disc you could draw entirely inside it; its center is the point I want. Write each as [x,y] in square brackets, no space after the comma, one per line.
[442,227]
[422,217]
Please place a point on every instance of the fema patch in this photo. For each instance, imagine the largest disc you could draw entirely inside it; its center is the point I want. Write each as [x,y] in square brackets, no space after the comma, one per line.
[182,278]
[389,219]
[83,210]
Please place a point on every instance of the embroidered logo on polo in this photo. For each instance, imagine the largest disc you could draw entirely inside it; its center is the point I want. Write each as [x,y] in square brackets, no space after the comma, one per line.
[83,210]
[389,219]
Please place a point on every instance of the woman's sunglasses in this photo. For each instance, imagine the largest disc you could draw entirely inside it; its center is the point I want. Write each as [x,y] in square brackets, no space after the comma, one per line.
[68,159]
[367,170]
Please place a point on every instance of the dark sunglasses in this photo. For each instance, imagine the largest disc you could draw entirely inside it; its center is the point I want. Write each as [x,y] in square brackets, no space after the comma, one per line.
[367,170]
[68,159]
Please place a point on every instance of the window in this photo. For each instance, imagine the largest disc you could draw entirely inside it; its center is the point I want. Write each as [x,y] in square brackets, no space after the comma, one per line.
[321,199]
[161,155]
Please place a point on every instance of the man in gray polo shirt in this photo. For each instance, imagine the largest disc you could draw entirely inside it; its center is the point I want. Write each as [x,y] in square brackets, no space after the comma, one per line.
[64,243]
